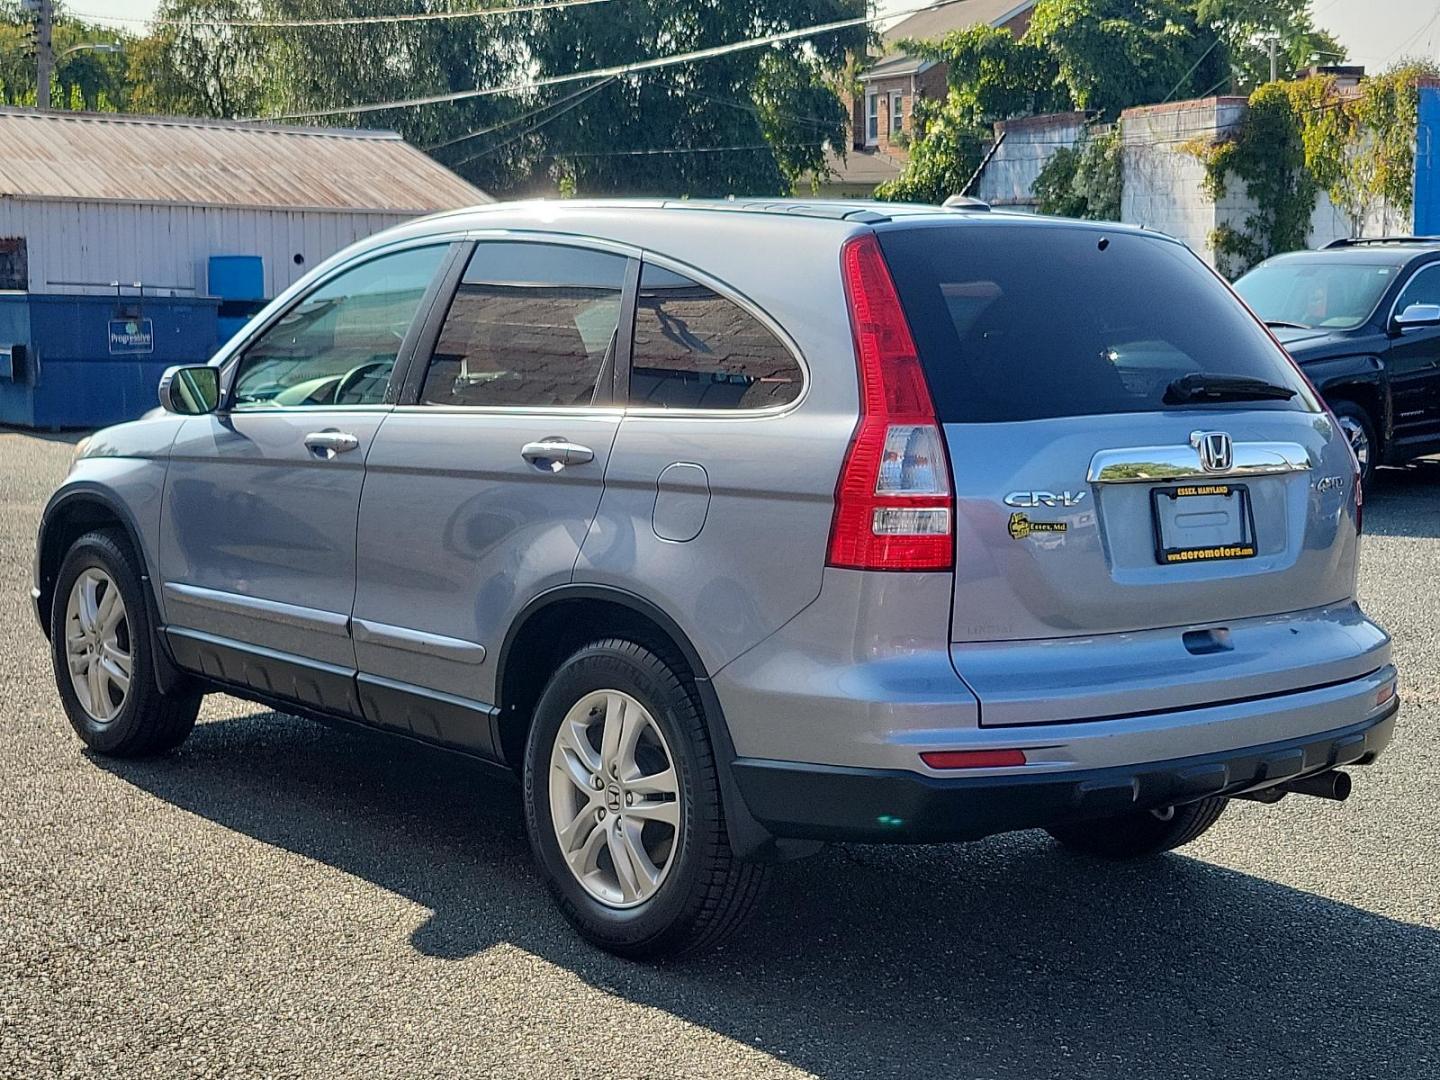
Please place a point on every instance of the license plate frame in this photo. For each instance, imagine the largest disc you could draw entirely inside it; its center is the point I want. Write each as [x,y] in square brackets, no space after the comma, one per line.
[1244,547]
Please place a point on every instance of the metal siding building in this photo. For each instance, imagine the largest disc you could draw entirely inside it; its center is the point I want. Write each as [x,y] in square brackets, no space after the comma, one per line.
[129,211]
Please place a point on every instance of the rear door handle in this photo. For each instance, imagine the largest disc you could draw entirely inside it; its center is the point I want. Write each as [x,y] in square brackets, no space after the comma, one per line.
[554,454]
[327,444]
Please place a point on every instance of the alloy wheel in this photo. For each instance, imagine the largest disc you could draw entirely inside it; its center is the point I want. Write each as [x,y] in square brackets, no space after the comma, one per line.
[615,798]
[1359,440]
[98,647]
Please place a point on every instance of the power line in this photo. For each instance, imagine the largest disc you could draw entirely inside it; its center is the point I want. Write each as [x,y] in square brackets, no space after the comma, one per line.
[1193,66]
[511,122]
[352,20]
[615,70]
[1416,37]
[582,97]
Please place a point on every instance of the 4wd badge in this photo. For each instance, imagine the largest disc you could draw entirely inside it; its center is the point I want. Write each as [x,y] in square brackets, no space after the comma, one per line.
[1021,526]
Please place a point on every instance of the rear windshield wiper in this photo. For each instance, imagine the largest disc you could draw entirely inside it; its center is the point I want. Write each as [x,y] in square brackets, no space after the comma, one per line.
[1200,386]
[1281,324]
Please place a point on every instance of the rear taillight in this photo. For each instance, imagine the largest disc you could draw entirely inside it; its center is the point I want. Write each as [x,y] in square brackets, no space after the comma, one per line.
[893,508]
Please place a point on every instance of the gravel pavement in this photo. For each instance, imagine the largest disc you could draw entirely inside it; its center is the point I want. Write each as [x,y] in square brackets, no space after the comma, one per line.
[278,899]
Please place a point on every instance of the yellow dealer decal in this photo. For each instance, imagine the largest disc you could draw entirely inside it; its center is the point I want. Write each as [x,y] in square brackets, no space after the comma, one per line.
[1021,526]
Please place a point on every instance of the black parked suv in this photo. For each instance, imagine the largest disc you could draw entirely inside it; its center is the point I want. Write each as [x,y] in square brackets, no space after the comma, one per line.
[1363,319]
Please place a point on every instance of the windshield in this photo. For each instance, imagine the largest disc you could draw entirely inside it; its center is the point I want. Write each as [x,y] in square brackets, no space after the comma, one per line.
[1029,322]
[1334,295]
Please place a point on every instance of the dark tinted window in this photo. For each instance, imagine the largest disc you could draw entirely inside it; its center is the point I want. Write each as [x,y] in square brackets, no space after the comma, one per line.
[1423,288]
[1025,322]
[338,345]
[531,324]
[694,349]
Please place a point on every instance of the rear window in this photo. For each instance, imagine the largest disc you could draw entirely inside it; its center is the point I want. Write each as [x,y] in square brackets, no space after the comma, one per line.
[1032,322]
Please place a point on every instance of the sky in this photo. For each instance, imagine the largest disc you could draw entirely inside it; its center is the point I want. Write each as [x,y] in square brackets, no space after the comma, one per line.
[1376,32]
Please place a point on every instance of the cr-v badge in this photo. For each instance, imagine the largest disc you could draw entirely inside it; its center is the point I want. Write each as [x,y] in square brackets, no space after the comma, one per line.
[1031,499]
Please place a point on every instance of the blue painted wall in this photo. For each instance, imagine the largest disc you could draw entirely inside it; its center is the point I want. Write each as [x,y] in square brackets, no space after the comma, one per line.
[1427,164]
[74,377]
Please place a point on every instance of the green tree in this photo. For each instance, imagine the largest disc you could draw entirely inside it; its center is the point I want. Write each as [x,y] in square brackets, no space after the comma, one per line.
[1245,27]
[1083,181]
[197,69]
[993,76]
[1116,53]
[83,79]
[1098,55]
[747,122]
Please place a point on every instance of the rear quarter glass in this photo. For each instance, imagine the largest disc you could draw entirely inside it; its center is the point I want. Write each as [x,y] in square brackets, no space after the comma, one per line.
[1029,321]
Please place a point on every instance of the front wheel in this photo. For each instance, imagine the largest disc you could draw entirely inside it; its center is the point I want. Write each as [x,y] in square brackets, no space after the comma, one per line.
[103,653]
[622,804]
[1137,833]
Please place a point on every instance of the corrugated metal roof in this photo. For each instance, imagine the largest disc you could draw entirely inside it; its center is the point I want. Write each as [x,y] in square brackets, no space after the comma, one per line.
[147,159]
[935,22]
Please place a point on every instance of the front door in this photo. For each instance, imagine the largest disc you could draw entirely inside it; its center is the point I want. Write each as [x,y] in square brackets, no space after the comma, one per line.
[257,551]
[1414,365]
[481,484]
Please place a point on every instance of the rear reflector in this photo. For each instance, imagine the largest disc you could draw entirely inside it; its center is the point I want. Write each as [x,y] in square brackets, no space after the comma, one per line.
[893,509]
[972,759]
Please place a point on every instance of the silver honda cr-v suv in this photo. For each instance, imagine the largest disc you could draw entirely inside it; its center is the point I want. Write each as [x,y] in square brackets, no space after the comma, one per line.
[733,528]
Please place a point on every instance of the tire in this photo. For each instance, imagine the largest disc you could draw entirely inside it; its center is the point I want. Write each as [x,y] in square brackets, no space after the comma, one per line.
[1359,428]
[141,719]
[1138,833]
[702,893]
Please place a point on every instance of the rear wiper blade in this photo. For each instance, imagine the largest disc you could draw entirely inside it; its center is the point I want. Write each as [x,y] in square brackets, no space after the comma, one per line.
[1281,324]
[1200,386]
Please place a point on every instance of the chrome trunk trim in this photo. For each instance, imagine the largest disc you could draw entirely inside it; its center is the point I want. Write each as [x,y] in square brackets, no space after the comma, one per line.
[1149,464]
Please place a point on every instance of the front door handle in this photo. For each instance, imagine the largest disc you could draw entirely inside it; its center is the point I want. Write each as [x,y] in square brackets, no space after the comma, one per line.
[554,453]
[328,443]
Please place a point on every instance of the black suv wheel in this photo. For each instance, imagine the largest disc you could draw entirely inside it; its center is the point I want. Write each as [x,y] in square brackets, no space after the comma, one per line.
[1359,428]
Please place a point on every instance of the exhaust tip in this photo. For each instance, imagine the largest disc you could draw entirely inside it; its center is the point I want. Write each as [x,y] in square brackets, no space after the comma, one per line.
[1332,784]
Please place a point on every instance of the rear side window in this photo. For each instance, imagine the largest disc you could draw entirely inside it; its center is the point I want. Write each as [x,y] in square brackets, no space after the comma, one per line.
[694,349]
[530,324]
[1024,322]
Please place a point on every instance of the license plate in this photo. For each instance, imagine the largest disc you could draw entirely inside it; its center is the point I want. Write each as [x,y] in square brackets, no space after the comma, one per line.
[1202,523]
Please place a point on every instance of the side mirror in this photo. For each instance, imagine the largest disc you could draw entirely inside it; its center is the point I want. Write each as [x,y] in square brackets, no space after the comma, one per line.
[190,390]
[1417,315]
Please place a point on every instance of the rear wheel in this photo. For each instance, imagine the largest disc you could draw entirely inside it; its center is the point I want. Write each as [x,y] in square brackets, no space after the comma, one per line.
[1359,429]
[622,804]
[103,654]
[1137,833]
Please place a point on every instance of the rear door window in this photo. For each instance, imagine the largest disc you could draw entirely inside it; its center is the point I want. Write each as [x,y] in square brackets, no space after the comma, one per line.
[530,325]
[696,349]
[1029,322]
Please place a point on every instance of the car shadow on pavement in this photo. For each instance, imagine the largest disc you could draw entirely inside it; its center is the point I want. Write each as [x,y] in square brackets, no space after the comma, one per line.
[1404,501]
[1006,958]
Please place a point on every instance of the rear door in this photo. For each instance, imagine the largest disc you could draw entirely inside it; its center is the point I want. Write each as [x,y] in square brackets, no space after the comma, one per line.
[481,485]
[258,521]
[1093,500]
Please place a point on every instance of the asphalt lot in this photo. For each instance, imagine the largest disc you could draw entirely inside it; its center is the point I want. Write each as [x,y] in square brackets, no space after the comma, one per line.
[277,899]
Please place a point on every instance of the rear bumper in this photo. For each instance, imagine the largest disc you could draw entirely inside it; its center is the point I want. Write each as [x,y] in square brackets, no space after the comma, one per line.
[829,802]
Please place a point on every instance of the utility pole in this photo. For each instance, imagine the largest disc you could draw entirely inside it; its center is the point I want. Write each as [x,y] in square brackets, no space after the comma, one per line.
[1274,57]
[44,54]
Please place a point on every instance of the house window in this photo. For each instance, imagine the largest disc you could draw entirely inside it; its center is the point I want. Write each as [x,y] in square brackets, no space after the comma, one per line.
[897,113]
[872,119]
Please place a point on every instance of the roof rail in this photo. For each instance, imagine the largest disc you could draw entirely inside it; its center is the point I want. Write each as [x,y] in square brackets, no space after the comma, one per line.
[965,202]
[1361,241]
